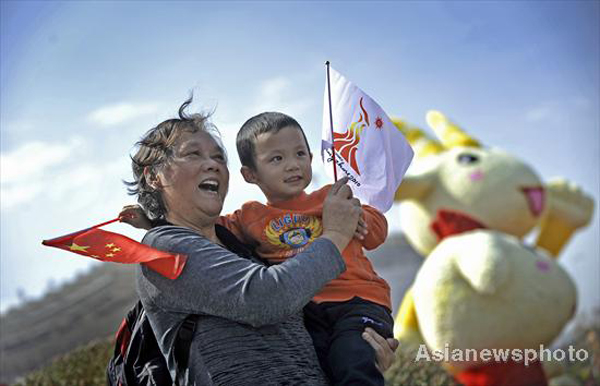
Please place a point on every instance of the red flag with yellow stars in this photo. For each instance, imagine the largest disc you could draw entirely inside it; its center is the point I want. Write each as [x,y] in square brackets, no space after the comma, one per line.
[109,246]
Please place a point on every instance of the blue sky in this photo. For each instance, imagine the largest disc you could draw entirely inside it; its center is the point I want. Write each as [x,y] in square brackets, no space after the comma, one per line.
[82,81]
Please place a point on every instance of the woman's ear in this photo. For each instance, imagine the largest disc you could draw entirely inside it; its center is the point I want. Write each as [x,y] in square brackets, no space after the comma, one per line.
[152,178]
[248,174]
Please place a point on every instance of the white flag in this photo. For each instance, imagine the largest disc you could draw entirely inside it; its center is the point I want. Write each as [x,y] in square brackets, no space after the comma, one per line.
[370,150]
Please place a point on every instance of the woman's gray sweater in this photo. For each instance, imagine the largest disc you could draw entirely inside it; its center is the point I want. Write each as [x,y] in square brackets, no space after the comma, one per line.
[250,330]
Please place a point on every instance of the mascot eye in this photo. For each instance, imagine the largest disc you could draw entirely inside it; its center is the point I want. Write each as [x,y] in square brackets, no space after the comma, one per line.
[466,158]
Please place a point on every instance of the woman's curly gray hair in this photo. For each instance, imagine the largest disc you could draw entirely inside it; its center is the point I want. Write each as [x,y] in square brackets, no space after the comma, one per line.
[155,150]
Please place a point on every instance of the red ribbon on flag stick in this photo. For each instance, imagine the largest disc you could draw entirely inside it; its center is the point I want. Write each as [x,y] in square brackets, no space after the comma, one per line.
[331,124]
[114,247]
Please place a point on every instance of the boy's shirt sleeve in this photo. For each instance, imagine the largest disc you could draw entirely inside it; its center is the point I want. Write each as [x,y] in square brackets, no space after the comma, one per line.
[234,223]
[377,225]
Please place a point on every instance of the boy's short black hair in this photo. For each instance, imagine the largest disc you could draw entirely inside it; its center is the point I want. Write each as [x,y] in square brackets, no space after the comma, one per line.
[267,122]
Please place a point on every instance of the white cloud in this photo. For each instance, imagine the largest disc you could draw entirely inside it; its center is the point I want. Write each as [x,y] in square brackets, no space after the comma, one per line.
[32,159]
[86,185]
[18,126]
[15,195]
[122,112]
[76,188]
[24,169]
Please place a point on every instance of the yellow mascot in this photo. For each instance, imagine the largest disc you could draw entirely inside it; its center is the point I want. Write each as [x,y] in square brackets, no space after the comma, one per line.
[467,208]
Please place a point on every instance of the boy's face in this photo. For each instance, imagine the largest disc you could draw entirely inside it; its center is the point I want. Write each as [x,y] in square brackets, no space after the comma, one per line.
[283,164]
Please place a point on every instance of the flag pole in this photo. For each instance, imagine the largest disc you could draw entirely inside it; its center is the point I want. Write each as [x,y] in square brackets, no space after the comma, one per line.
[106,223]
[331,124]
[71,235]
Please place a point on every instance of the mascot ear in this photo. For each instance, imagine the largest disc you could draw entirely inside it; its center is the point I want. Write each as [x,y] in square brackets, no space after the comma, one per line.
[449,133]
[420,142]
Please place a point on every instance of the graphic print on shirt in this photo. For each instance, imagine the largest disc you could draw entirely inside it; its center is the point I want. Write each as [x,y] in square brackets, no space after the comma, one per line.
[290,232]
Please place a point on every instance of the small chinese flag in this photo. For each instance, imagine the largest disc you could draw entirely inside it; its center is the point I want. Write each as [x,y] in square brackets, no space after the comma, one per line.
[109,246]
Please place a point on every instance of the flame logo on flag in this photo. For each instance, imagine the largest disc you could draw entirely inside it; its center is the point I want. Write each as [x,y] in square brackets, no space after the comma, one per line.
[346,144]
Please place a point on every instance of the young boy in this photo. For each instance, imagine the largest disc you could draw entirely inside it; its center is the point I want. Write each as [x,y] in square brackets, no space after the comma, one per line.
[275,155]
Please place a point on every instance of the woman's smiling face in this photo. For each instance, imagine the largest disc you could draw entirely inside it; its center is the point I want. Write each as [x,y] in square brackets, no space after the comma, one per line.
[195,181]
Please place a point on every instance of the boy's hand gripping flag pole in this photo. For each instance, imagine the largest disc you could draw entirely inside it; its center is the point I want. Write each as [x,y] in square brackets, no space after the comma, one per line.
[114,247]
[364,142]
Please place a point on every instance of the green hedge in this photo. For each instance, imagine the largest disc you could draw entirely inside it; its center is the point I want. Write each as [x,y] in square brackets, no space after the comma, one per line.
[86,366]
[405,371]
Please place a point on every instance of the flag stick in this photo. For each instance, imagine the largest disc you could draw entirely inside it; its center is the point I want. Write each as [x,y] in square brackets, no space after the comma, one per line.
[73,234]
[331,124]
[106,223]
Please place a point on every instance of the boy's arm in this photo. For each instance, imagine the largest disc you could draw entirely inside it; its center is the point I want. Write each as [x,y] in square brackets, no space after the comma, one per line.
[217,282]
[135,216]
[377,227]
[233,222]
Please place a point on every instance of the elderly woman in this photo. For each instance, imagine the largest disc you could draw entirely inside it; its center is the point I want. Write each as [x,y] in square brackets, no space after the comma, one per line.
[250,330]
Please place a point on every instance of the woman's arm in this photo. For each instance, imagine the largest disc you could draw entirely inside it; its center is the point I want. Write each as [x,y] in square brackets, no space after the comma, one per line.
[217,282]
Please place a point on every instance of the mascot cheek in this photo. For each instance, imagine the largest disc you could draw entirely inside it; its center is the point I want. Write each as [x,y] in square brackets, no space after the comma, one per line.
[476,176]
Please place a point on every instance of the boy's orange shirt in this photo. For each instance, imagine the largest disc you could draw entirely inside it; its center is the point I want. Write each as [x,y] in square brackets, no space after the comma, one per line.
[280,231]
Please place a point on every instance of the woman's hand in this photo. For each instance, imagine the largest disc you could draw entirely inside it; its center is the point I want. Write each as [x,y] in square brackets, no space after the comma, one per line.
[340,214]
[384,348]
[134,216]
